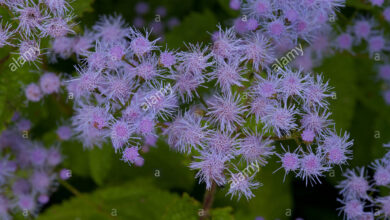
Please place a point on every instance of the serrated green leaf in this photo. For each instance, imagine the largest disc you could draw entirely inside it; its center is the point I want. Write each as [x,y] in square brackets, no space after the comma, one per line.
[100,160]
[135,200]
[168,168]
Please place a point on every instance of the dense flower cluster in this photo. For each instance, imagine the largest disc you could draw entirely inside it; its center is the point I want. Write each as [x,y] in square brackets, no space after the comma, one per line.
[359,200]
[130,91]
[285,21]
[28,171]
[35,21]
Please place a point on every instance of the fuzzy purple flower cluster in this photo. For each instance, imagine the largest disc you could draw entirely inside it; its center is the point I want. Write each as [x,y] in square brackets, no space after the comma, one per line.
[35,21]
[132,92]
[285,21]
[28,171]
[360,191]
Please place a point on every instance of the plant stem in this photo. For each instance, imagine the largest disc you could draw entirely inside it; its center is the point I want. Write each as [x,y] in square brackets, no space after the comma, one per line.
[70,188]
[208,201]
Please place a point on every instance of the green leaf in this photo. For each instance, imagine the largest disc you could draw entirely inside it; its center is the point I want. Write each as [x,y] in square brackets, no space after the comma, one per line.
[100,160]
[81,6]
[222,213]
[134,200]
[196,27]
[168,168]
[340,71]
[76,158]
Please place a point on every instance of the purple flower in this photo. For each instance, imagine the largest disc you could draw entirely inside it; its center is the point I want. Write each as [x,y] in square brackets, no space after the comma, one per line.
[58,7]
[29,50]
[226,111]
[377,44]
[118,87]
[63,47]
[141,8]
[280,119]
[235,4]
[64,132]
[5,34]
[228,74]
[33,92]
[311,166]
[384,71]
[110,29]
[222,142]
[293,83]
[344,42]
[241,184]
[315,121]
[386,14]
[211,168]
[140,45]
[24,125]
[356,186]
[148,69]
[257,50]
[30,17]
[57,27]
[382,173]
[267,87]
[26,202]
[186,132]
[255,148]
[196,60]
[259,107]
[146,126]
[87,81]
[65,174]
[290,161]
[225,44]
[6,170]
[385,205]
[50,83]
[120,134]
[167,59]
[353,208]
[186,84]
[54,156]
[363,28]
[258,8]
[337,148]
[91,123]
[377,2]
[316,92]
[43,199]
[130,155]
[41,181]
